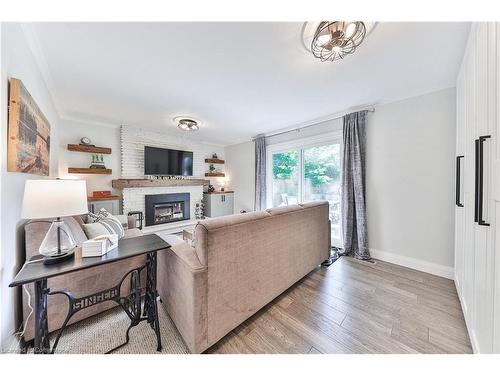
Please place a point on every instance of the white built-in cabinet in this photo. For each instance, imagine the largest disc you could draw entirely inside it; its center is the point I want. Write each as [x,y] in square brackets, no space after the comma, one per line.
[477,211]
[219,204]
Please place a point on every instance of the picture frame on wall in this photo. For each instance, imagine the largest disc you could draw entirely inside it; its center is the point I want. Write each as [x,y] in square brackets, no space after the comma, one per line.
[28,144]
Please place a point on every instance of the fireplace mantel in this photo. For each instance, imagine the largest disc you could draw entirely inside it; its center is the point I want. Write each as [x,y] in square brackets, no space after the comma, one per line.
[142,183]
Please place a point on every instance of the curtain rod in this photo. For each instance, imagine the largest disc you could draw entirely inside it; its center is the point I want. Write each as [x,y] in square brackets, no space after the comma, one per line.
[298,129]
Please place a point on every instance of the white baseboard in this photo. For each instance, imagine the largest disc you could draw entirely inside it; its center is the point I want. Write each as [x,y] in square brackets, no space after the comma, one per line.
[416,264]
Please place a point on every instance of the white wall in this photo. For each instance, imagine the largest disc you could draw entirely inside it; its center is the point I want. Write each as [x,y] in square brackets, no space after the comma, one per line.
[410,179]
[72,132]
[240,173]
[18,62]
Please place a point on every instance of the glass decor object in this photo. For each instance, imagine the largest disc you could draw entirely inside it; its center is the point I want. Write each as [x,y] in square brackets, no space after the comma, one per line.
[48,199]
[58,240]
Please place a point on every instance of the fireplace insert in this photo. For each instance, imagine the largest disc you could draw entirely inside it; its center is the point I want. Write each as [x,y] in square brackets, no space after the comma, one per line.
[167,208]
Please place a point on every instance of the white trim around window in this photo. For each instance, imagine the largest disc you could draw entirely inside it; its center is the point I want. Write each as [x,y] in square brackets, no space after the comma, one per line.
[297,145]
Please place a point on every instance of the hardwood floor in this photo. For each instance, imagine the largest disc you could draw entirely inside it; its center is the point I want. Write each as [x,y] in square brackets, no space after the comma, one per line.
[357,307]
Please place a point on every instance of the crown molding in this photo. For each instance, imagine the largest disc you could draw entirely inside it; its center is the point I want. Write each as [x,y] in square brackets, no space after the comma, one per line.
[84,121]
[40,60]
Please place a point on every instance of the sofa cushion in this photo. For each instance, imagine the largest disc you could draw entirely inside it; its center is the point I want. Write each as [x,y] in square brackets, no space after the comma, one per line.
[312,204]
[224,221]
[133,232]
[283,210]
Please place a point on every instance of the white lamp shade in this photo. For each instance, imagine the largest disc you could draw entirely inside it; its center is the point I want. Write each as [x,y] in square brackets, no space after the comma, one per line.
[54,198]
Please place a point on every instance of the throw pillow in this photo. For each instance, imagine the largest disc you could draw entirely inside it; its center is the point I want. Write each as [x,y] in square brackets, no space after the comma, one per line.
[110,222]
[113,225]
[92,230]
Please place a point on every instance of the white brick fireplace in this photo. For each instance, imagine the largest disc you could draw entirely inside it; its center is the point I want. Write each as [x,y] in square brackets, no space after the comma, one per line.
[133,140]
[134,200]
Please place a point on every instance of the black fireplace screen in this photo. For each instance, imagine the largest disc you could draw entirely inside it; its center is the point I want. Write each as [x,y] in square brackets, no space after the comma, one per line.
[167,212]
[167,208]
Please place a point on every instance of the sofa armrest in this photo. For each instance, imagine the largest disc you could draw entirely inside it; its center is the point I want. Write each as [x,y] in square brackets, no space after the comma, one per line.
[182,285]
[188,255]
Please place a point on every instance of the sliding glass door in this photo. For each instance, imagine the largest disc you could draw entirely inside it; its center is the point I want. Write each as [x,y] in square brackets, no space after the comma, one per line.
[305,171]
[285,178]
[321,180]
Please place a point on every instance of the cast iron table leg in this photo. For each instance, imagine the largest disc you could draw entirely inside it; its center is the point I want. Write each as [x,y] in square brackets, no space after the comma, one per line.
[42,345]
[150,303]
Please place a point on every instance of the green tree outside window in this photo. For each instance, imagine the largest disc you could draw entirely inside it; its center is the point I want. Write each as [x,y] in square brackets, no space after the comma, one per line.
[321,165]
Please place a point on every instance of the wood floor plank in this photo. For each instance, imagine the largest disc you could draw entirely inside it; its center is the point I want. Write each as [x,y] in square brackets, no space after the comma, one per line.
[322,324]
[321,341]
[281,339]
[376,337]
[416,342]
[313,350]
[448,343]
[317,305]
[357,307]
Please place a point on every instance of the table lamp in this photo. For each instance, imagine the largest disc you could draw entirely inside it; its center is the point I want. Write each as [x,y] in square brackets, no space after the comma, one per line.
[45,199]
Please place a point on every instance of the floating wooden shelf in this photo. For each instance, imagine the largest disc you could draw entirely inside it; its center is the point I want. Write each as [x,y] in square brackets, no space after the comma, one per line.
[214,161]
[139,183]
[214,174]
[91,149]
[221,192]
[106,198]
[90,170]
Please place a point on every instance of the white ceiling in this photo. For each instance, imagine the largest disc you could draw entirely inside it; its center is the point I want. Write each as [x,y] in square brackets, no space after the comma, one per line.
[240,79]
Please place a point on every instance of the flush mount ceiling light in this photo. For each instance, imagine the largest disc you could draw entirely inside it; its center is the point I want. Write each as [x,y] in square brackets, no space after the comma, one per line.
[333,40]
[187,124]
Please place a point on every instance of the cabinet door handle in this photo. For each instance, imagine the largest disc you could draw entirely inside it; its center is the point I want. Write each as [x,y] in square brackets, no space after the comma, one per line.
[478,215]
[476,180]
[458,183]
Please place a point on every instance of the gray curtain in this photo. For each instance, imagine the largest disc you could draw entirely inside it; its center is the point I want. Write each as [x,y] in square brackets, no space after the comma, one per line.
[260,173]
[354,228]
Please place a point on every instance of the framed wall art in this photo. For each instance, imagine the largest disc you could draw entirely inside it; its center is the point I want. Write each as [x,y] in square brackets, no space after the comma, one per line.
[28,145]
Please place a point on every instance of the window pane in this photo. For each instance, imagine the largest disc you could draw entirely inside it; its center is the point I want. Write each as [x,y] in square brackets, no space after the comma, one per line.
[285,184]
[322,181]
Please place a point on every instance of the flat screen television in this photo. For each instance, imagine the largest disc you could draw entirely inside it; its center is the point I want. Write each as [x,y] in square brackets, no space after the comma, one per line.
[164,161]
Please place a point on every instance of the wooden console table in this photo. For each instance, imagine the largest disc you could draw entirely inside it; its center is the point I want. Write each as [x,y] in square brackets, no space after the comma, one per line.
[137,306]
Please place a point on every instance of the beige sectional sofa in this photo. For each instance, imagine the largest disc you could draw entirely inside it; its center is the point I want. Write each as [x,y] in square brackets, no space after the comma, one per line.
[238,264]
